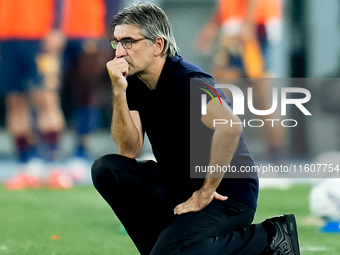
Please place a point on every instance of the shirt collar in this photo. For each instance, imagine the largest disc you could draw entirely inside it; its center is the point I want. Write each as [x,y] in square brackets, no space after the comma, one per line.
[167,71]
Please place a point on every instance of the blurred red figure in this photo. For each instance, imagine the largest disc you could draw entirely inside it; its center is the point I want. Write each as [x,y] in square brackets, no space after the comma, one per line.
[247,27]
[30,46]
[86,25]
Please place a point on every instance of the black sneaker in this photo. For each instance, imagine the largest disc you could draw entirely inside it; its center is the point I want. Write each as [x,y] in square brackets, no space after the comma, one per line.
[285,239]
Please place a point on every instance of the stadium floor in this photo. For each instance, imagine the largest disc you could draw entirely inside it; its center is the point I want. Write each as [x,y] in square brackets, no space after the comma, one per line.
[78,221]
[70,227]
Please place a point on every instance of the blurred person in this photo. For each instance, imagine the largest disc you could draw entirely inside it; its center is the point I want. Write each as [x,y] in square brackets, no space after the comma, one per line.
[248,27]
[30,46]
[164,210]
[85,24]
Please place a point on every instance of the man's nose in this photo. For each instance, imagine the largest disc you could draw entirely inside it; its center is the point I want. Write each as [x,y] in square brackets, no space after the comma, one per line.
[120,52]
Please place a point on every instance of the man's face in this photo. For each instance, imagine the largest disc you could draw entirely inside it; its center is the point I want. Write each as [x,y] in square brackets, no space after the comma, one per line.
[140,55]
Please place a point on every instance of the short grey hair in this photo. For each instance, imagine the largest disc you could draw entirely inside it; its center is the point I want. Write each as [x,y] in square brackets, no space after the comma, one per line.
[152,22]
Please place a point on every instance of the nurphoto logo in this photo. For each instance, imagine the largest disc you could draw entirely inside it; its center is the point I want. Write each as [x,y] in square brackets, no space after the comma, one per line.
[239,105]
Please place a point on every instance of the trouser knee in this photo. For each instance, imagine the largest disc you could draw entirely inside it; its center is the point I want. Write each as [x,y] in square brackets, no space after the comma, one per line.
[100,168]
[105,169]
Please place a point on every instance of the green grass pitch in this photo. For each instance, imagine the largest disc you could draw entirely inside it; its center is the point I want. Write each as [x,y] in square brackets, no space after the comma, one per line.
[78,221]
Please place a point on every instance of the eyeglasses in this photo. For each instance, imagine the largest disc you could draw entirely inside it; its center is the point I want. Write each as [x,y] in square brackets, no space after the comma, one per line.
[126,42]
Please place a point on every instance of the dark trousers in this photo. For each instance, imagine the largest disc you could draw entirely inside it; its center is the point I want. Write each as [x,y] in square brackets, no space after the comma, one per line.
[137,194]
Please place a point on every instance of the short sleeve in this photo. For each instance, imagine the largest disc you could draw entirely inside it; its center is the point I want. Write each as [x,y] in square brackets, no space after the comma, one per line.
[194,84]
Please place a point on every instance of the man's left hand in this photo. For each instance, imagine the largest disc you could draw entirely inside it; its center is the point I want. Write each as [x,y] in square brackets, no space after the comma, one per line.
[198,201]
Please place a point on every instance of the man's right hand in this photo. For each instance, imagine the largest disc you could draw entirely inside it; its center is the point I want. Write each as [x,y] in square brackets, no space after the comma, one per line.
[118,69]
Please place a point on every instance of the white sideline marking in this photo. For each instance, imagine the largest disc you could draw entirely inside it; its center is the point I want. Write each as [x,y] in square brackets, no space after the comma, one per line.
[3,248]
[314,248]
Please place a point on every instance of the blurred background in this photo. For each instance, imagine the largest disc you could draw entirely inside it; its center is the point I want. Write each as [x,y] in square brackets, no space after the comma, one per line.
[309,48]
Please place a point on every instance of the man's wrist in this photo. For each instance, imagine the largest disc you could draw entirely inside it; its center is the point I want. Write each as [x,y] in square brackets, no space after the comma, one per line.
[210,185]
[208,190]
[119,94]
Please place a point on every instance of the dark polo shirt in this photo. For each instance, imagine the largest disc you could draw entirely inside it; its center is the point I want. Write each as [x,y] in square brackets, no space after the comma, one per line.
[171,128]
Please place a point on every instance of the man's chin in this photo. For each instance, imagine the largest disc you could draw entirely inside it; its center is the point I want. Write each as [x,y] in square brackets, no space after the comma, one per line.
[131,71]
[134,72]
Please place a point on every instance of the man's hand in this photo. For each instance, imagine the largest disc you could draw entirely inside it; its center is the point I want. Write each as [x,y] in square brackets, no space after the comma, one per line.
[118,70]
[198,201]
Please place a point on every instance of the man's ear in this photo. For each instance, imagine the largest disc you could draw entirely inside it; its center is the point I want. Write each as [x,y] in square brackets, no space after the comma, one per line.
[159,46]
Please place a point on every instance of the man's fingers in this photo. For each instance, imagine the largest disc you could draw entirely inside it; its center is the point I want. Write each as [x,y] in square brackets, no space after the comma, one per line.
[118,70]
[220,197]
[118,66]
[196,203]
[179,208]
[183,208]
